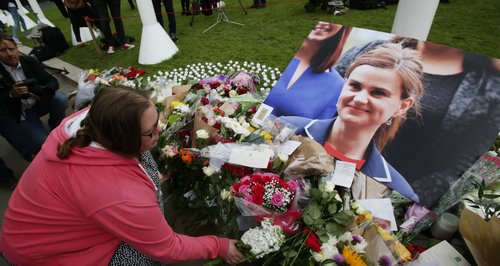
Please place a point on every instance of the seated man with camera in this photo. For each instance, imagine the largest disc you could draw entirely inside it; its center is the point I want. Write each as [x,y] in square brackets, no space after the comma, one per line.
[27,92]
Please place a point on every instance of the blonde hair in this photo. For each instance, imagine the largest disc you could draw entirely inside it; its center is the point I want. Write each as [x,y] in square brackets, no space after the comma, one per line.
[406,62]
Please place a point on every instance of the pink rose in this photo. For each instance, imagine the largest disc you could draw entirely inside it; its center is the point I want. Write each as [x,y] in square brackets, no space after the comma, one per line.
[277,199]
[292,184]
[248,198]
[244,190]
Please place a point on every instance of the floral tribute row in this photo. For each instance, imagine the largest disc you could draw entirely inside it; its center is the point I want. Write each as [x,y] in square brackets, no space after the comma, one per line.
[234,175]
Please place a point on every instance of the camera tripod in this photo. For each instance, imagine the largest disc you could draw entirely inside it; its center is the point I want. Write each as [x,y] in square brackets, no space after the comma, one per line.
[221,15]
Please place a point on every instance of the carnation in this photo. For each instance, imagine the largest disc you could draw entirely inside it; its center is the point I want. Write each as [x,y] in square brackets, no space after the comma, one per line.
[265,239]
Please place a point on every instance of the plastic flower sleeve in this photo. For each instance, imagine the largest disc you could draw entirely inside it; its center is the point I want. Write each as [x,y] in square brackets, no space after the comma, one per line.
[85,91]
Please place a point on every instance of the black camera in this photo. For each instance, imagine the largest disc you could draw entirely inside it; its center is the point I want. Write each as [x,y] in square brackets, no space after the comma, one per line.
[36,89]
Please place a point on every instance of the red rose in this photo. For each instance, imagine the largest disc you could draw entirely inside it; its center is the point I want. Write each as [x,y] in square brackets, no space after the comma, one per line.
[197,86]
[258,198]
[204,119]
[257,178]
[241,90]
[217,126]
[258,190]
[235,187]
[204,100]
[312,241]
[252,110]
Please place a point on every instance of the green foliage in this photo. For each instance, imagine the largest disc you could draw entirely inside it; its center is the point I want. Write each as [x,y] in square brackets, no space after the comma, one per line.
[273,35]
[486,199]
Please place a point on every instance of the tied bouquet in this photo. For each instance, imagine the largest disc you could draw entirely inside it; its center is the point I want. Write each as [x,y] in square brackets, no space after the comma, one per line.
[267,190]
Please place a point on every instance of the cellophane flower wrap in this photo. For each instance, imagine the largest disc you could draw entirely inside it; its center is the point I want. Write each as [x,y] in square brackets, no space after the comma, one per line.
[213,112]
[92,80]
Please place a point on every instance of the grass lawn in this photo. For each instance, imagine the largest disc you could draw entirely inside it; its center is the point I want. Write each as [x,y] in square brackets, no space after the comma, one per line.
[272,35]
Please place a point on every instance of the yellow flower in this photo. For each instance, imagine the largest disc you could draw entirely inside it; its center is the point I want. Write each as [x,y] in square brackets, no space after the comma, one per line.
[251,129]
[352,258]
[402,252]
[266,135]
[175,104]
[386,235]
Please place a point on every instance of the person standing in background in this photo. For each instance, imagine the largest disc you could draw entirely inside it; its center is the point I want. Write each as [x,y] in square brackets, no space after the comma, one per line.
[12,7]
[132,5]
[169,8]
[101,7]
[258,4]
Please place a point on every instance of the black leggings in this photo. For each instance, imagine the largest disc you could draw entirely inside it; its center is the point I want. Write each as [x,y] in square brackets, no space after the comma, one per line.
[169,7]
[101,7]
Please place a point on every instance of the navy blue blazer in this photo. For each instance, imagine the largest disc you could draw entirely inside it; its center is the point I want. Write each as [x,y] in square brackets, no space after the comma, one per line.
[375,165]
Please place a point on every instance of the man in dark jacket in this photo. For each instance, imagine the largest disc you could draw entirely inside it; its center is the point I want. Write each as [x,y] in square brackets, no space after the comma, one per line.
[27,92]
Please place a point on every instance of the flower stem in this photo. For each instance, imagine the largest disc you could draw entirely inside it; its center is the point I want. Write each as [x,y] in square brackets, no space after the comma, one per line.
[300,248]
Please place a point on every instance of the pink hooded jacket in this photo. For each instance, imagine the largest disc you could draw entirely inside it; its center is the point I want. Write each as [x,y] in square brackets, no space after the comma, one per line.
[76,211]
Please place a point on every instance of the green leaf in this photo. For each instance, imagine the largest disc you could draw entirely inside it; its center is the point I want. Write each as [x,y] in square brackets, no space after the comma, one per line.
[308,220]
[324,238]
[315,193]
[342,218]
[332,208]
[315,212]
[290,254]
[332,228]
[490,196]
[319,222]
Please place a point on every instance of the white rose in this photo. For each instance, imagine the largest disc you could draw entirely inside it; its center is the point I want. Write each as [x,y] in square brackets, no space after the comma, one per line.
[226,195]
[208,171]
[232,93]
[283,157]
[202,134]
[327,186]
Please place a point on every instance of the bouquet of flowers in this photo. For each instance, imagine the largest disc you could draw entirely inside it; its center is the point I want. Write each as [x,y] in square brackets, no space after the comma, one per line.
[92,80]
[267,190]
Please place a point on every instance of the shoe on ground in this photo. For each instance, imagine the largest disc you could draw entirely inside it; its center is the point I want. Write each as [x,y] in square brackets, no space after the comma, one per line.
[173,36]
[127,46]
[81,44]
[111,50]
[18,42]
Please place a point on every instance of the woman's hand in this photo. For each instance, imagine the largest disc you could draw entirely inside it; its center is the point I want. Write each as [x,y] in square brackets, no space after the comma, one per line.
[233,256]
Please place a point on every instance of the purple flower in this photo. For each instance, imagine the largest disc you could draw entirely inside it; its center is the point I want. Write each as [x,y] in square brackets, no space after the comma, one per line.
[339,258]
[385,261]
[277,199]
[357,238]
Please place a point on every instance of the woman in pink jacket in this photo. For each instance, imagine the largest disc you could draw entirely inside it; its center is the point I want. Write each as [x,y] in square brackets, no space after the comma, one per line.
[86,193]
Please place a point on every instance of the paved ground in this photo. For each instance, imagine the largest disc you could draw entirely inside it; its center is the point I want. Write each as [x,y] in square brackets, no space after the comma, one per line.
[67,83]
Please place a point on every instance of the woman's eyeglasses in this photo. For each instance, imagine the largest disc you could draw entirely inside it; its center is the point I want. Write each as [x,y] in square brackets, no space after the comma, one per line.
[155,129]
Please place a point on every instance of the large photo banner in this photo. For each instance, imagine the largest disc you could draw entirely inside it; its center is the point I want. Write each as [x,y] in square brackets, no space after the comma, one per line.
[412,115]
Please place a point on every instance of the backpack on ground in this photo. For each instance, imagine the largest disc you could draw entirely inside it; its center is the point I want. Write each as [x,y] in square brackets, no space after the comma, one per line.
[42,53]
[54,39]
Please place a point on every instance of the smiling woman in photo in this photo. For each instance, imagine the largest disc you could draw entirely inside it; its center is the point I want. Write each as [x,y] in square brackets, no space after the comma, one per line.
[309,86]
[381,86]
